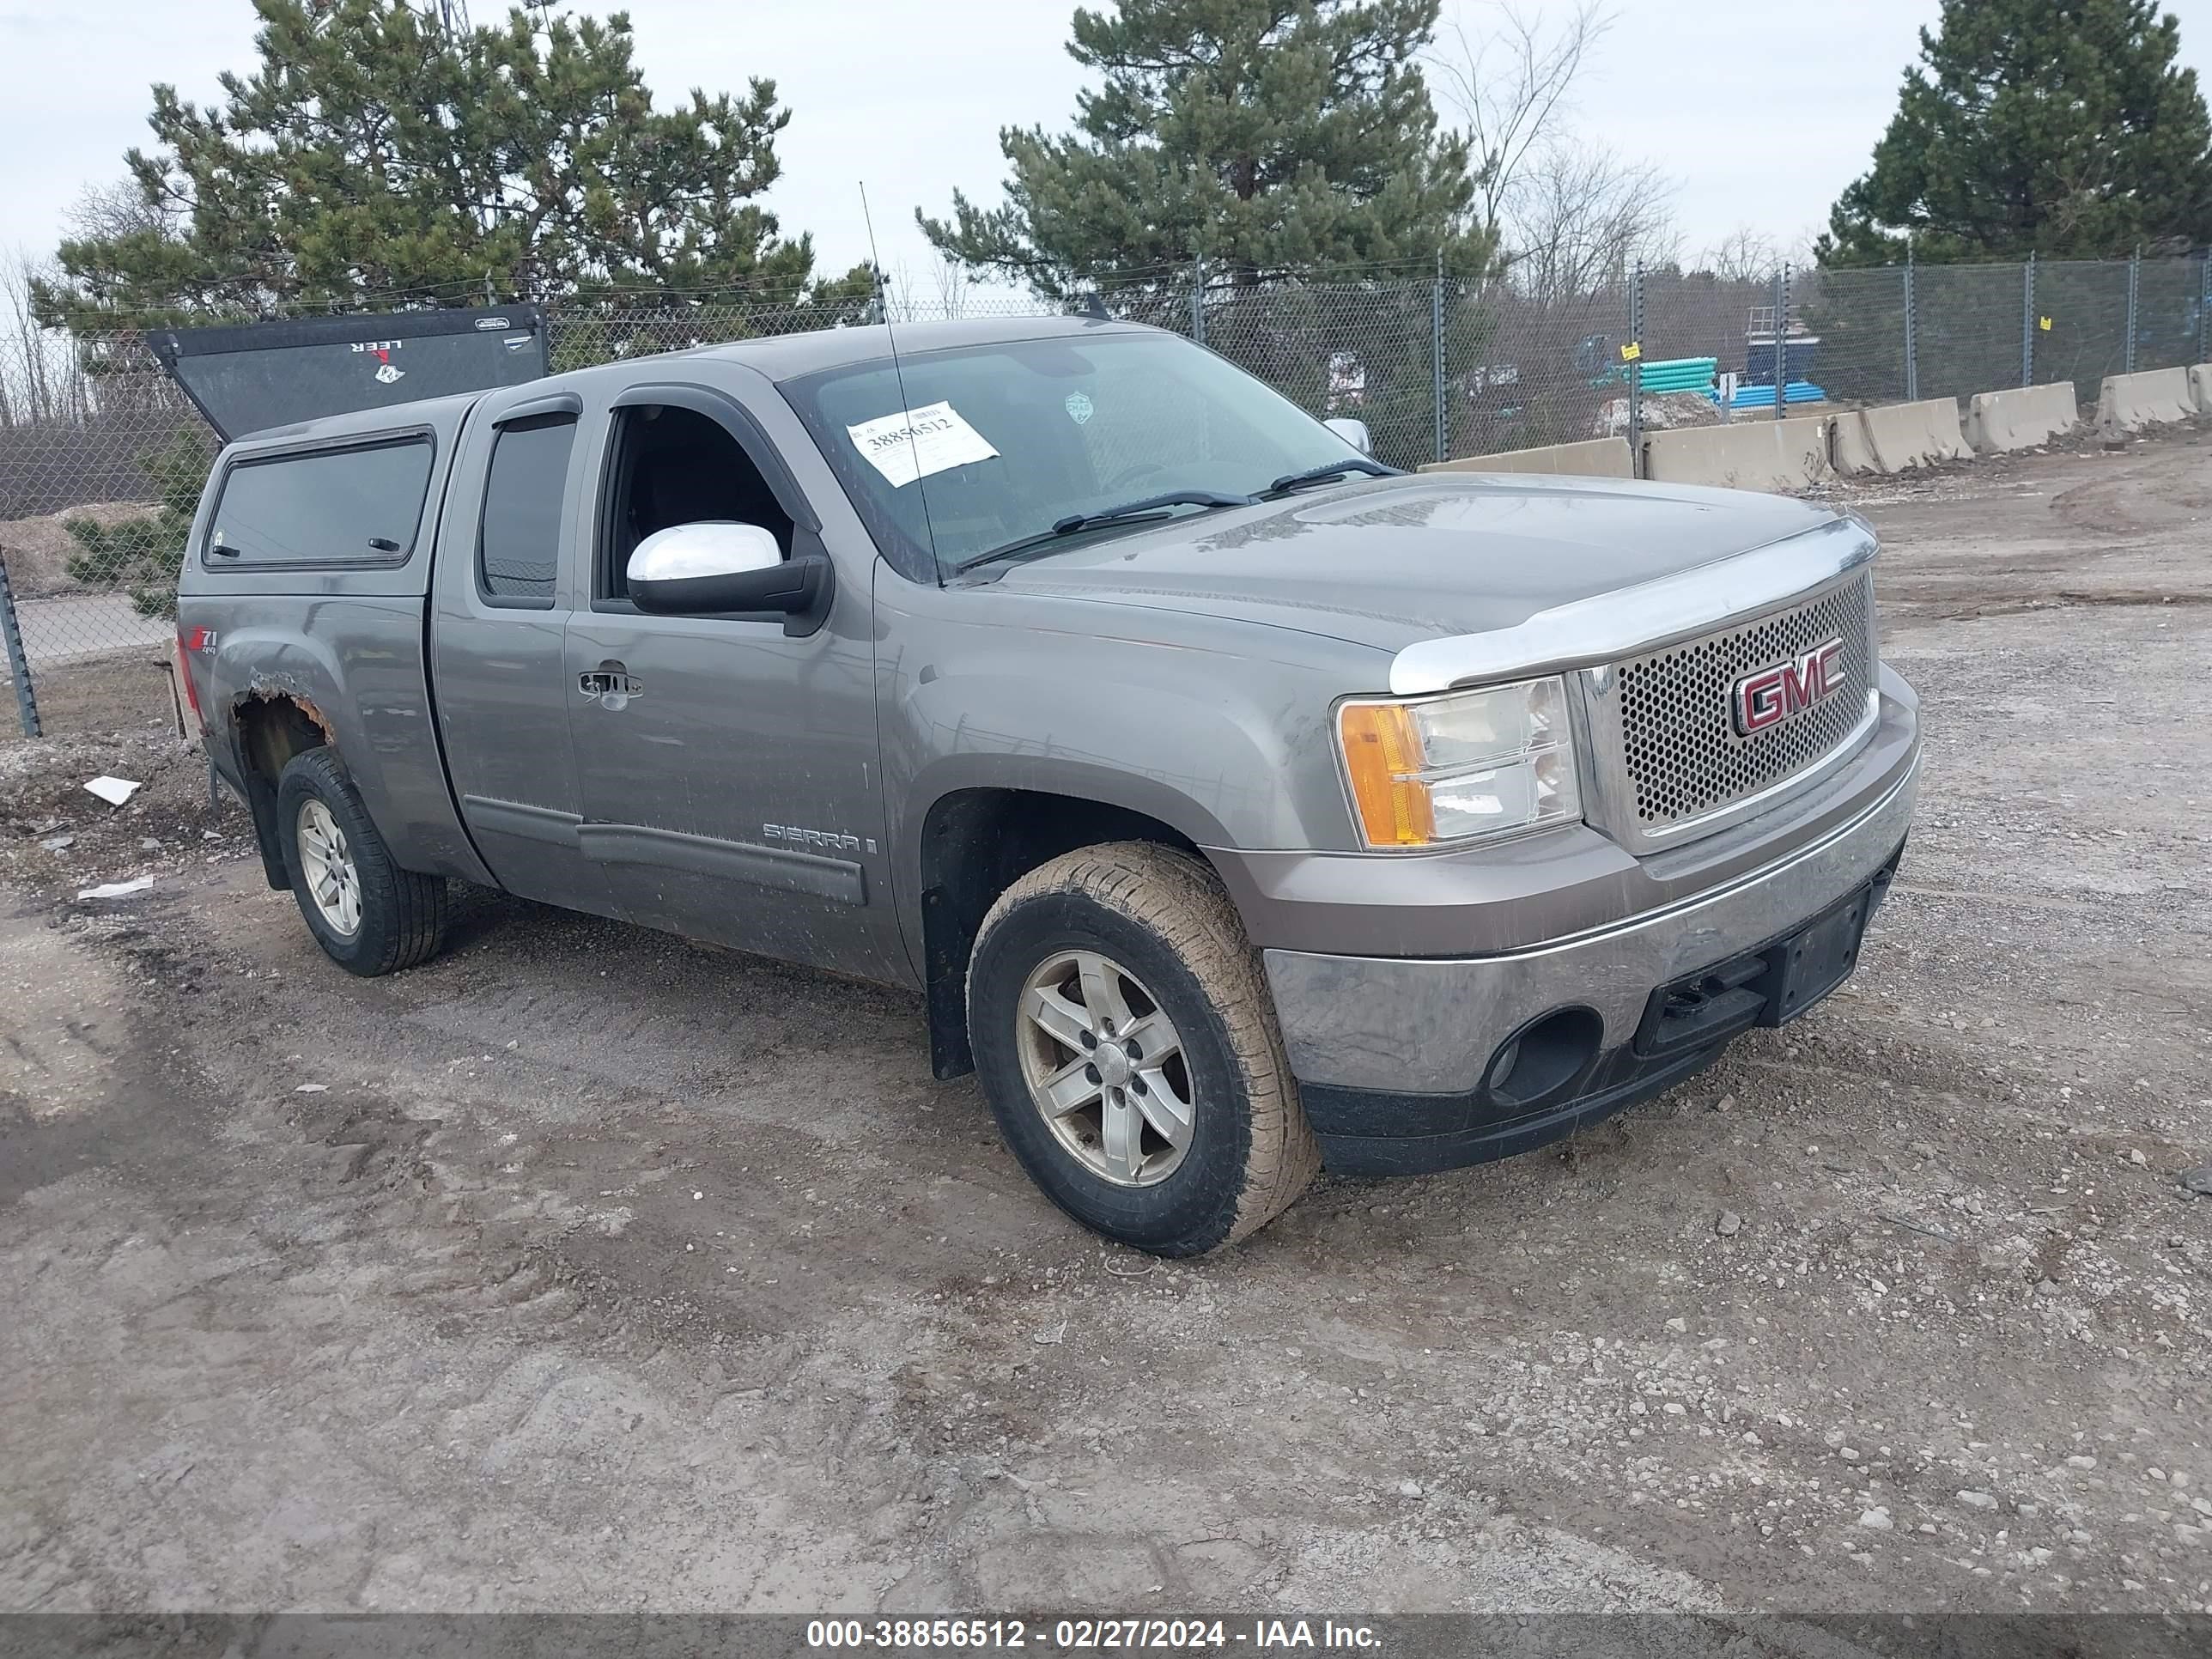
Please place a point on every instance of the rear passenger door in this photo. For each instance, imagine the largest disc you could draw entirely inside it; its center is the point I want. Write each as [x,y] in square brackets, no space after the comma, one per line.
[498,646]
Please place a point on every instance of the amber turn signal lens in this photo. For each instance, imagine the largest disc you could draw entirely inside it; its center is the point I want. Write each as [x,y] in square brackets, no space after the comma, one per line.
[1382,756]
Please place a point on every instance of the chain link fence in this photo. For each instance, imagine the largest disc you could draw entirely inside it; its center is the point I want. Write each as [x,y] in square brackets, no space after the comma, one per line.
[101,458]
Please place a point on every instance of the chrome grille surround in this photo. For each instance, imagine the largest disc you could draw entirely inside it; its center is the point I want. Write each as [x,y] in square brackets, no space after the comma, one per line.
[1666,761]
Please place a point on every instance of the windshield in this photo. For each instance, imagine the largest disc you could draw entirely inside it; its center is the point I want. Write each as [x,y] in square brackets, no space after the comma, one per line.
[1009,439]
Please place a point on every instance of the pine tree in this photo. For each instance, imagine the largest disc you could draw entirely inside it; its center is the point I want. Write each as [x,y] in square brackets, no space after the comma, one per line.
[1261,136]
[381,153]
[2059,126]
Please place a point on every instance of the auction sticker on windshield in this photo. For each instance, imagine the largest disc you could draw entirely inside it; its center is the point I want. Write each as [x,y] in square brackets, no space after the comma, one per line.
[917,442]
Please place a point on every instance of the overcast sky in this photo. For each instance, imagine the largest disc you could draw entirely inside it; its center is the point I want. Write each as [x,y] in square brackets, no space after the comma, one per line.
[1762,109]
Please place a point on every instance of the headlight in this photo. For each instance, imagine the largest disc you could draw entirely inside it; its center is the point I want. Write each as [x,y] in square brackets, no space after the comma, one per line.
[1474,763]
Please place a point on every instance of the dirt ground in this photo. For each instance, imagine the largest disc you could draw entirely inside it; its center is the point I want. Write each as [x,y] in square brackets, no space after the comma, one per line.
[92,666]
[38,551]
[586,1269]
[117,691]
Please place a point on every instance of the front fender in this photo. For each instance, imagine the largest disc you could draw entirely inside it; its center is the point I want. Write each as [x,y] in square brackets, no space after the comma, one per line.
[1196,769]
[1217,729]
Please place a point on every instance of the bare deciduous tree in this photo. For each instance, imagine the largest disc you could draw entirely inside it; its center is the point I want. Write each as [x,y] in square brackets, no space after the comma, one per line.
[1568,216]
[1579,215]
[1744,255]
[952,279]
[1513,89]
[117,209]
[909,296]
[39,380]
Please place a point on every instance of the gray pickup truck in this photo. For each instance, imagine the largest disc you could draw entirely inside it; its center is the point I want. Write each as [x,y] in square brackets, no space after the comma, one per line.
[1238,805]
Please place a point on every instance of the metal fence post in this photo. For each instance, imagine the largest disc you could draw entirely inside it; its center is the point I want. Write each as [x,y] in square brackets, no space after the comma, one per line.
[1635,371]
[1198,300]
[1437,361]
[1912,334]
[2027,324]
[1781,330]
[2135,283]
[19,665]
[2204,311]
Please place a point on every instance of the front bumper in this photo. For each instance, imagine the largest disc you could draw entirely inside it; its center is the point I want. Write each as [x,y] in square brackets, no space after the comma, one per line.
[1391,1053]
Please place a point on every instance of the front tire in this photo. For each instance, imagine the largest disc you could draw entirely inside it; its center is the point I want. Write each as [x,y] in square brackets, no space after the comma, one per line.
[1125,1037]
[370,916]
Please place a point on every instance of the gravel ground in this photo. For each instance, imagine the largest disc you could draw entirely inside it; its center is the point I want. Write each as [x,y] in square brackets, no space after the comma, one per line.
[587,1269]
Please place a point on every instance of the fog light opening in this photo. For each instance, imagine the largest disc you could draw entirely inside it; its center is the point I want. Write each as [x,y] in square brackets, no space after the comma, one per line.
[1543,1061]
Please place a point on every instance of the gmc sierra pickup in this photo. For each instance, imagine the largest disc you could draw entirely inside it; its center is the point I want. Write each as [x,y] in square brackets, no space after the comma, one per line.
[1237,805]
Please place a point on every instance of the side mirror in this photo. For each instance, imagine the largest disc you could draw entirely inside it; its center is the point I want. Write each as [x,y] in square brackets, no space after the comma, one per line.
[1353,432]
[717,567]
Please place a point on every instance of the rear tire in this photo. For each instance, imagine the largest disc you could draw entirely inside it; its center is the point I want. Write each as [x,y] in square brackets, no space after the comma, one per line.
[370,916]
[1125,1037]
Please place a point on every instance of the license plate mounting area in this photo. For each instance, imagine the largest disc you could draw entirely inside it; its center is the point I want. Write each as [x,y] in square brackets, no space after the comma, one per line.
[1771,985]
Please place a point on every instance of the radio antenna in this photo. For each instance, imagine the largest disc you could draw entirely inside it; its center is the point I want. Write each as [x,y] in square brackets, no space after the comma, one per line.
[898,373]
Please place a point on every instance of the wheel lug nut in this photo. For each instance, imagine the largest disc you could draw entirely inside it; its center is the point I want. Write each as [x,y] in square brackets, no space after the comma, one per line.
[1090,1074]
[1088,1040]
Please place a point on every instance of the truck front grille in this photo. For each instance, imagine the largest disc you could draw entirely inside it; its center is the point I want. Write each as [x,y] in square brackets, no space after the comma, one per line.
[1684,757]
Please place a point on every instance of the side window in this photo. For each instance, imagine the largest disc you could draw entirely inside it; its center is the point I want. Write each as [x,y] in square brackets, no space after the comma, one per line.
[670,465]
[519,541]
[360,506]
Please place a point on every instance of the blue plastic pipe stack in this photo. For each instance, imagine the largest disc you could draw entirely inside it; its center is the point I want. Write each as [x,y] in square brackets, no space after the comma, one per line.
[1762,396]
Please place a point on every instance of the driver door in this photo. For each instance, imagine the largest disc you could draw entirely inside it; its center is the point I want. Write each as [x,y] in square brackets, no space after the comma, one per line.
[727,767]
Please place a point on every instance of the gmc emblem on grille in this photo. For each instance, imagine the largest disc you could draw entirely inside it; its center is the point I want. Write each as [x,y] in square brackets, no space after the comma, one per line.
[1789,688]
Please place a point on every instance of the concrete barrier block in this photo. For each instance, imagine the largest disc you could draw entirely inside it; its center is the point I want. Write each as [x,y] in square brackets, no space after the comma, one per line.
[2200,387]
[2020,417]
[1897,436]
[2155,396]
[1777,456]
[1595,457]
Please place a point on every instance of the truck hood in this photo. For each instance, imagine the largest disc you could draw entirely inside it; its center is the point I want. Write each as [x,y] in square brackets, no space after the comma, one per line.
[1391,561]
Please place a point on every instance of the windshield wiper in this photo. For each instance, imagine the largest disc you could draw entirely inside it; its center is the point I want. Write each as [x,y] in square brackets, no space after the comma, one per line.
[1291,481]
[1075,522]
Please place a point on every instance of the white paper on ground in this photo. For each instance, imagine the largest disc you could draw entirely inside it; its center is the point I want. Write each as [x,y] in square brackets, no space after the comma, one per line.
[113,790]
[117,888]
[919,441]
